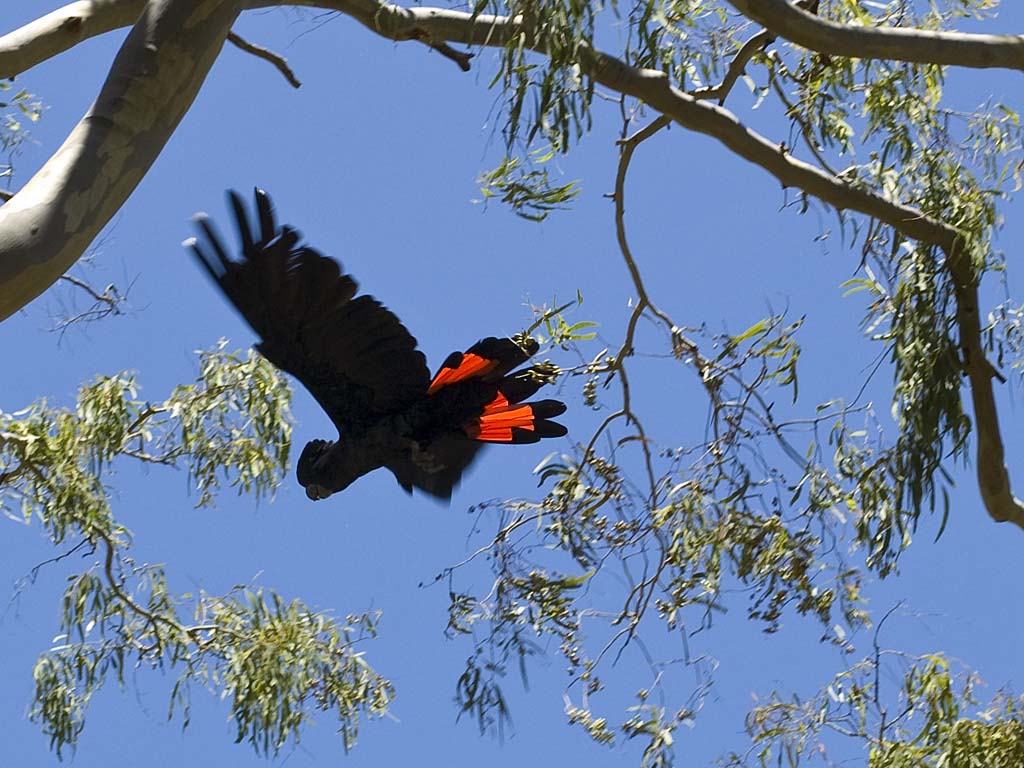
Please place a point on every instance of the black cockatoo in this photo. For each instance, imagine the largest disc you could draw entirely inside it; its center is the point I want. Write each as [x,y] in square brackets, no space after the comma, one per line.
[362,366]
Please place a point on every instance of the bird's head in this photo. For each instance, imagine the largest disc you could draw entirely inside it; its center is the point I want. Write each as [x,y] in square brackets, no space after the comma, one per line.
[323,469]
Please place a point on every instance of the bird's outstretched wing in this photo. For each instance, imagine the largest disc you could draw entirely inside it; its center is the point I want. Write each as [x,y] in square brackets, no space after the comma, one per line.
[352,354]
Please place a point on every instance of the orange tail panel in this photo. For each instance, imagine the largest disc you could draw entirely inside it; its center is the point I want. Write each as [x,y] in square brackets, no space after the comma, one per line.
[471,365]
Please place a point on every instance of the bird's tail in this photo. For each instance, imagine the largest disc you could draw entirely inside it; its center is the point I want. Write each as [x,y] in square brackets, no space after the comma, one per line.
[507,419]
[502,422]
[504,418]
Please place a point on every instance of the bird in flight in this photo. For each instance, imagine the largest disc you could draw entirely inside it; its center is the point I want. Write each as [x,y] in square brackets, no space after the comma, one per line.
[362,366]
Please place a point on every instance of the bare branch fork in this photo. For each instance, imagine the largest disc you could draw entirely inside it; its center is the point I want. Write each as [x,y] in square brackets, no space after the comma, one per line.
[48,224]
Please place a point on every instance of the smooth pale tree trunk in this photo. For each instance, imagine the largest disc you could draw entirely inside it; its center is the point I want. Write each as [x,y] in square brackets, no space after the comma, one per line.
[159,69]
[62,29]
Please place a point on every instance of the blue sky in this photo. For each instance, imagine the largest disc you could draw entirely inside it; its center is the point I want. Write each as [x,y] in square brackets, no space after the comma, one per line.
[375,158]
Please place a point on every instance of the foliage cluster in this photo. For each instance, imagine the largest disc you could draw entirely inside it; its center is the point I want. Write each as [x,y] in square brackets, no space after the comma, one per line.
[277,661]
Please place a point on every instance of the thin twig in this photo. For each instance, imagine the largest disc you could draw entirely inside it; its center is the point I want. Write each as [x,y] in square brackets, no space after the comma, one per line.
[109,297]
[737,67]
[267,55]
[33,574]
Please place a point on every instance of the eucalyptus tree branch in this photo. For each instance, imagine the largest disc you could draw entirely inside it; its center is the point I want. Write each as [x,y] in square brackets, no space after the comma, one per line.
[653,87]
[737,67]
[461,58]
[267,55]
[101,298]
[62,29]
[66,27]
[893,43]
[111,301]
[116,585]
[990,461]
[49,223]
[616,366]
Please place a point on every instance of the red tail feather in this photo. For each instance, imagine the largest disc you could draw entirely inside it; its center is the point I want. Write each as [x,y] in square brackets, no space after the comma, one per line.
[499,419]
[469,366]
[498,404]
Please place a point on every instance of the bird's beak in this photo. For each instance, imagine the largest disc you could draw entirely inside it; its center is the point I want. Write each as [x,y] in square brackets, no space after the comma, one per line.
[317,492]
